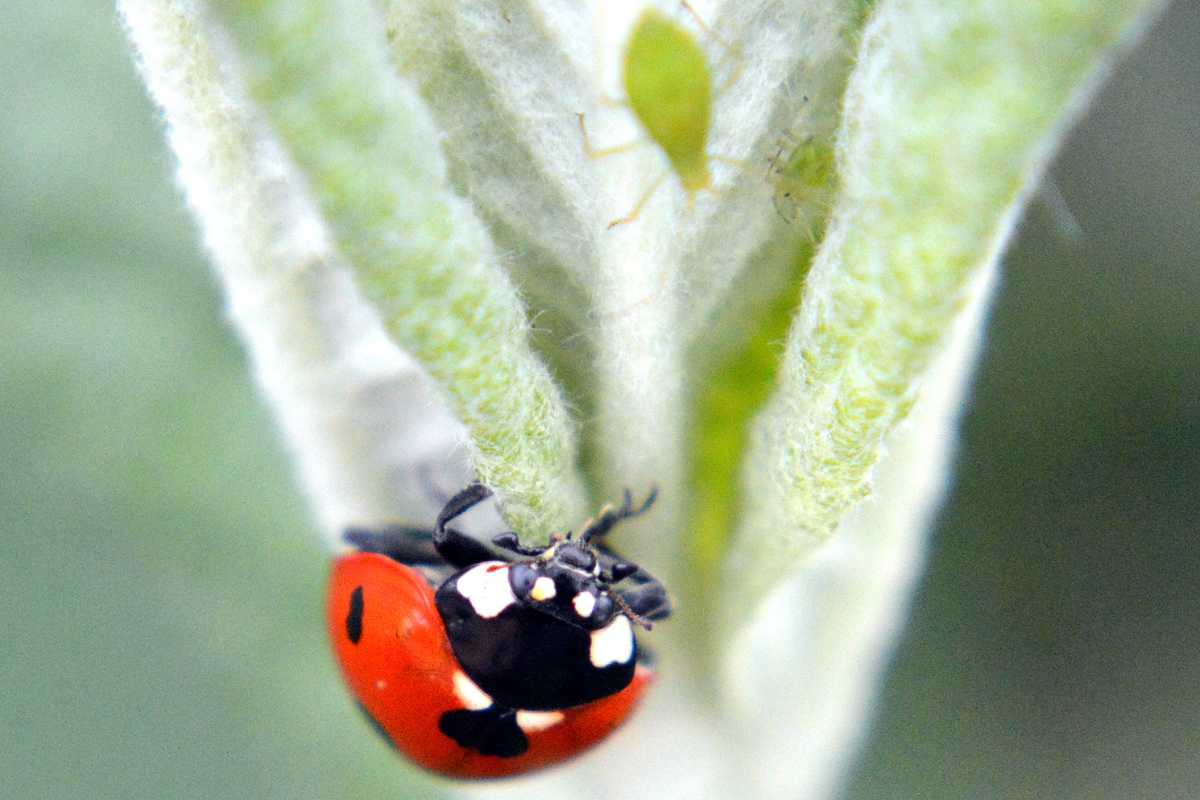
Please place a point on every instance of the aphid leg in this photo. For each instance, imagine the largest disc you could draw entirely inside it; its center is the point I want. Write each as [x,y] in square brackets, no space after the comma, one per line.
[810,232]
[641,203]
[455,547]
[777,164]
[703,25]
[603,152]
[734,51]
[777,202]
[736,163]
[653,295]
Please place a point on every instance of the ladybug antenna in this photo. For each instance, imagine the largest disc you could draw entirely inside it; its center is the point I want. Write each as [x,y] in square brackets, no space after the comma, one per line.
[629,612]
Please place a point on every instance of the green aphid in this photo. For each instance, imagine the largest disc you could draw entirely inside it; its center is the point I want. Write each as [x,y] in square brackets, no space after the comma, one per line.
[669,86]
[802,174]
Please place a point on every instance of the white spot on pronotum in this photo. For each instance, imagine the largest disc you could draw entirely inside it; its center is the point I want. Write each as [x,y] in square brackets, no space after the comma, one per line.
[612,644]
[543,589]
[534,721]
[486,586]
[584,602]
[381,684]
[470,695]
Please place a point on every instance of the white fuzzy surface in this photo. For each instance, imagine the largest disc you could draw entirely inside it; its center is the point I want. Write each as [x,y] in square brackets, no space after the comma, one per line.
[819,644]
[505,81]
[358,414]
[940,143]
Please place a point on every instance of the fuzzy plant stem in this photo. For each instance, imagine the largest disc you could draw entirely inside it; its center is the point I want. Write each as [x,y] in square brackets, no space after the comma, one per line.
[950,117]
[370,153]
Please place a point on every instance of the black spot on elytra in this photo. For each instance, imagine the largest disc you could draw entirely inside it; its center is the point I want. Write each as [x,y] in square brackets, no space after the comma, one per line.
[492,731]
[354,618]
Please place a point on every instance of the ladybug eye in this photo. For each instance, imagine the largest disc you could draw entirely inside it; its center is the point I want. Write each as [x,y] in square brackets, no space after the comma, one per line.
[602,610]
[521,577]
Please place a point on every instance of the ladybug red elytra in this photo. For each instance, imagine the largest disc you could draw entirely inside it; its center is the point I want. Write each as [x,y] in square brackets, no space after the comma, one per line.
[476,663]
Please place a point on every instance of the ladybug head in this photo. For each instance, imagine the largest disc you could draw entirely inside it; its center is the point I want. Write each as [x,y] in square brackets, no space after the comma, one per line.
[570,580]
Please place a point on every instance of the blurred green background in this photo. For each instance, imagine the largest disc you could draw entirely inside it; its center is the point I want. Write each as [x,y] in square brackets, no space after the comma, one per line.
[161,581]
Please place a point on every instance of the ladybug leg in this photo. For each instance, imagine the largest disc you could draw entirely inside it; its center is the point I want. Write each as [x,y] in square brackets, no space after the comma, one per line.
[511,543]
[648,600]
[401,543]
[644,594]
[609,517]
[641,592]
[454,546]
[459,550]
[463,502]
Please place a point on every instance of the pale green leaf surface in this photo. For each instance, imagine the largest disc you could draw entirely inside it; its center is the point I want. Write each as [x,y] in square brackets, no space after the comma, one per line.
[506,84]
[370,153]
[320,354]
[953,111]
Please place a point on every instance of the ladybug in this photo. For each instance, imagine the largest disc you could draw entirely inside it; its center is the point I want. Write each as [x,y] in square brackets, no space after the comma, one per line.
[482,662]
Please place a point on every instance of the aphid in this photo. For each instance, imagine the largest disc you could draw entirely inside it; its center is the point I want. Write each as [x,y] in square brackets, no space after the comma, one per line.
[801,175]
[669,87]
[480,664]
